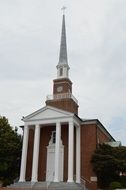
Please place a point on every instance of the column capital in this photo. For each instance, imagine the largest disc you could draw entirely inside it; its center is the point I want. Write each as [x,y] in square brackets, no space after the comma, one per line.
[58,123]
[26,127]
[37,125]
[71,122]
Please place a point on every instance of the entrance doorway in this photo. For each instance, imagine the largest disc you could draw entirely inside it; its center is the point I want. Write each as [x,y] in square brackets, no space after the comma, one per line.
[50,166]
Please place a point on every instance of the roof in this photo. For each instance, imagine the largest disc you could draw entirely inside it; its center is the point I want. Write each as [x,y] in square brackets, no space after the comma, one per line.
[38,115]
[99,124]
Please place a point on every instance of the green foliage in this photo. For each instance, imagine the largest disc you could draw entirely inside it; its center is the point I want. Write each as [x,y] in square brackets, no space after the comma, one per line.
[10,151]
[108,162]
[122,180]
[115,185]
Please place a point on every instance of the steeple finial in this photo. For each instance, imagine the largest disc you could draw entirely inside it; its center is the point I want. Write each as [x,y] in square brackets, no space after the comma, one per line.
[63,9]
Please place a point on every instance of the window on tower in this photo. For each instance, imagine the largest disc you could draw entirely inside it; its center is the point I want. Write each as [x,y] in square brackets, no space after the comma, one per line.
[61,71]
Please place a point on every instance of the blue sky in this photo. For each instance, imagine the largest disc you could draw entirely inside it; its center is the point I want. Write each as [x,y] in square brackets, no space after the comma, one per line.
[29,49]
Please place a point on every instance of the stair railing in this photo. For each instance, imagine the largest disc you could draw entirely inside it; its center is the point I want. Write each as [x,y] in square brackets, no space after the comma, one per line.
[85,182]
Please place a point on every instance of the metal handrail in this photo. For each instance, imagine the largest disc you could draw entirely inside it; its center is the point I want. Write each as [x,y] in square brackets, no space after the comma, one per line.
[83,178]
[85,181]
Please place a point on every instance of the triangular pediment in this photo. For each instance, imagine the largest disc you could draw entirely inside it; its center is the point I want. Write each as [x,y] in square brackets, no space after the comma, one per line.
[47,112]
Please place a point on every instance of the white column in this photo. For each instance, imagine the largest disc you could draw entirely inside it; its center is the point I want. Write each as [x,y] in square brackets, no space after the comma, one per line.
[71,152]
[35,154]
[57,152]
[24,154]
[78,154]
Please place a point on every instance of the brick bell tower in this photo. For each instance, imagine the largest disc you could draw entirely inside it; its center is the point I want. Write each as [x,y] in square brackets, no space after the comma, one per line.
[62,97]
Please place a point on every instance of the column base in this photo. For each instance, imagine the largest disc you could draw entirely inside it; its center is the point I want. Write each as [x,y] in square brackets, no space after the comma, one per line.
[56,180]
[34,180]
[70,181]
[78,181]
[22,180]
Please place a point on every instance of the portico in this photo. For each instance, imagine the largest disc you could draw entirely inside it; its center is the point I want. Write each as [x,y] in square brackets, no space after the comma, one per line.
[43,118]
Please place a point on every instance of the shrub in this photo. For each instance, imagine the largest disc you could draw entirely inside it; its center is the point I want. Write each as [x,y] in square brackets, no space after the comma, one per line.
[123,181]
[115,185]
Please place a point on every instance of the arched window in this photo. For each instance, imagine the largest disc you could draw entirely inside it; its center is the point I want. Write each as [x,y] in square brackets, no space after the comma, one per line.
[61,71]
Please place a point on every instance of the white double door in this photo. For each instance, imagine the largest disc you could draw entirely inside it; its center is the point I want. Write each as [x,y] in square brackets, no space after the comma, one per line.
[50,166]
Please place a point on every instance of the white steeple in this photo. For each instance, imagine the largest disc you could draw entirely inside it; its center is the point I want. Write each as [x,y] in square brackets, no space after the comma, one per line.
[63,67]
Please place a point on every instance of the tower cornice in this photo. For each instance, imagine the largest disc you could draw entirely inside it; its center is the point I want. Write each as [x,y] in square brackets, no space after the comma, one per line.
[62,80]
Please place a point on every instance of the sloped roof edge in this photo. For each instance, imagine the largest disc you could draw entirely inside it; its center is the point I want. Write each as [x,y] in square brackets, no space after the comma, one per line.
[99,124]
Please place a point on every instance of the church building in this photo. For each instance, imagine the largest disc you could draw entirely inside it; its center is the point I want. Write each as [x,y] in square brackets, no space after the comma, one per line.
[57,143]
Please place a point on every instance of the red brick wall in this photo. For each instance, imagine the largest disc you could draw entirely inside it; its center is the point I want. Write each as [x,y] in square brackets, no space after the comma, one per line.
[90,135]
[65,83]
[64,137]
[29,155]
[64,104]
[88,145]
[101,137]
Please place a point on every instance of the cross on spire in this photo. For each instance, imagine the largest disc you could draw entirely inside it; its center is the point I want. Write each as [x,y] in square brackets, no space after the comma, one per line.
[63,9]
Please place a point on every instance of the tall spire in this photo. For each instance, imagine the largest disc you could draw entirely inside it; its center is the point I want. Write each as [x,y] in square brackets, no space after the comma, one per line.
[63,67]
[63,44]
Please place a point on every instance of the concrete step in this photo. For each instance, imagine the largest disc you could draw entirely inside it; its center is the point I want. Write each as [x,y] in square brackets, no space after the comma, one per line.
[65,186]
[27,185]
[40,185]
[47,185]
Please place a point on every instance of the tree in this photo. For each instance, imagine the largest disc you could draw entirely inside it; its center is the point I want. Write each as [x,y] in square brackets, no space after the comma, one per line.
[10,151]
[108,163]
